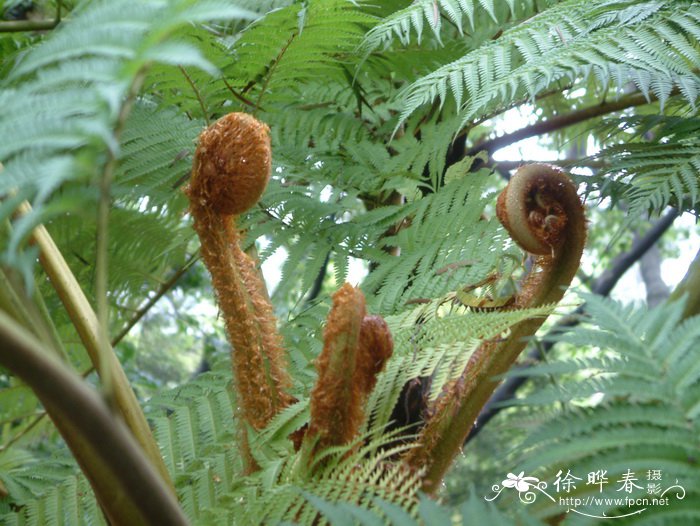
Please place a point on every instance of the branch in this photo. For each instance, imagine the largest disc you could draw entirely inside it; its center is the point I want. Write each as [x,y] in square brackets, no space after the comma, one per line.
[602,286]
[650,269]
[16,26]
[162,290]
[127,487]
[197,94]
[318,281]
[562,121]
[272,70]
[608,279]
[564,163]
[241,97]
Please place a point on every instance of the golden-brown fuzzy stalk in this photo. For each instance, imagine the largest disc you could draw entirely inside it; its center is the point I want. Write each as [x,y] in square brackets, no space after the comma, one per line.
[336,411]
[231,169]
[356,348]
[543,213]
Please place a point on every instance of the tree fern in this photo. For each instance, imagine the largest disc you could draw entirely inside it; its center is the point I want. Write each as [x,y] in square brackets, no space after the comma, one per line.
[326,76]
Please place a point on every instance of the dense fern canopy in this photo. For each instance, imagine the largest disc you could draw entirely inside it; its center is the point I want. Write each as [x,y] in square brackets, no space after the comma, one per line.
[385,119]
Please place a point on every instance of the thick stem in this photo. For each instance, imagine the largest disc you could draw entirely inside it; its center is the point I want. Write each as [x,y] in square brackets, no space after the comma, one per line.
[603,285]
[16,26]
[85,321]
[541,210]
[128,488]
[257,356]
[102,243]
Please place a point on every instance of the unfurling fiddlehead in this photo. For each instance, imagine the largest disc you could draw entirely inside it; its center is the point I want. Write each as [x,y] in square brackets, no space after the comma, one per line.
[231,169]
[356,347]
[539,208]
[544,215]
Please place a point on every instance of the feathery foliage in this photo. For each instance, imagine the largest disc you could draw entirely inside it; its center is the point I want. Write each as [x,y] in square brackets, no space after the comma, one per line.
[631,400]
[652,174]
[376,110]
[567,43]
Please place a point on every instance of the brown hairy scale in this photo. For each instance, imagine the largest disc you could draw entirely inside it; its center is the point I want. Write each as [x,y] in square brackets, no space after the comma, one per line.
[543,214]
[337,401]
[251,328]
[356,348]
[530,208]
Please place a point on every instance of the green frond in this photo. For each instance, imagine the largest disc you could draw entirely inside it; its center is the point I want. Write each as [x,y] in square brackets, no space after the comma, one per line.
[296,43]
[446,246]
[49,491]
[195,428]
[657,175]
[68,91]
[157,147]
[647,415]
[427,14]
[435,340]
[567,42]
[473,511]
[327,128]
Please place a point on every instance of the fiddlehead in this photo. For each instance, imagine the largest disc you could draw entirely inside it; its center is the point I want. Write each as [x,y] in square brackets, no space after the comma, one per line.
[231,169]
[356,347]
[544,215]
